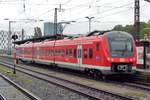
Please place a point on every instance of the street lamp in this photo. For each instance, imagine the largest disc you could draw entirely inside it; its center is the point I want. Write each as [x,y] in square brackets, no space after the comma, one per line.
[65,24]
[89,18]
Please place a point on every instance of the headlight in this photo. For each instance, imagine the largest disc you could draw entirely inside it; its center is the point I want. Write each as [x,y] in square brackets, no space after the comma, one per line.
[112,59]
[108,59]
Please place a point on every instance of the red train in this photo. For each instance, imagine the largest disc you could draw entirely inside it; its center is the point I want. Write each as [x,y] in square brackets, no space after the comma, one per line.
[97,53]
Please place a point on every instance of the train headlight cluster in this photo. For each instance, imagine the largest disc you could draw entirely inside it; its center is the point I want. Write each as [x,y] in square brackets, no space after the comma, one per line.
[131,59]
[108,59]
[112,59]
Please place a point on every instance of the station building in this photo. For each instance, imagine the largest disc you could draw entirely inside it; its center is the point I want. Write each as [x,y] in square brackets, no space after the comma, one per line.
[49,28]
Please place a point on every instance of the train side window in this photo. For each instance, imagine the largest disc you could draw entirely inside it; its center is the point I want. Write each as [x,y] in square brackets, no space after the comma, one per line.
[79,53]
[62,53]
[41,52]
[70,52]
[55,53]
[75,53]
[90,53]
[52,52]
[44,52]
[47,52]
[35,52]
[97,46]
[59,53]
[85,53]
[66,52]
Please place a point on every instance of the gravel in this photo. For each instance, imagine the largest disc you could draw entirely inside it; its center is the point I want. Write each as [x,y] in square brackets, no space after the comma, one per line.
[44,90]
[9,92]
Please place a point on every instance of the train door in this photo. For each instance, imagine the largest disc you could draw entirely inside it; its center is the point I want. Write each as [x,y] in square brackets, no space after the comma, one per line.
[79,55]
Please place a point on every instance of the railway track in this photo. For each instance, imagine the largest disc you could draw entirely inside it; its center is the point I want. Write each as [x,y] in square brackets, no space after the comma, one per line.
[24,91]
[133,84]
[137,85]
[1,97]
[84,90]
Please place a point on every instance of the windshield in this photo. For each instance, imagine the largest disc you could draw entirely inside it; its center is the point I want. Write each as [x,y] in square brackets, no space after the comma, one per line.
[120,47]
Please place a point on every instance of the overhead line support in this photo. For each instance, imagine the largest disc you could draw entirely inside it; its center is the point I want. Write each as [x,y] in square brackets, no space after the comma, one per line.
[137,20]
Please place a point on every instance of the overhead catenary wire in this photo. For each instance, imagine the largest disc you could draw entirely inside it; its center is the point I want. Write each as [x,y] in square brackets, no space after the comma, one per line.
[88,3]
[105,11]
[87,8]
[119,12]
[111,14]
[97,14]
[67,2]
[109,10]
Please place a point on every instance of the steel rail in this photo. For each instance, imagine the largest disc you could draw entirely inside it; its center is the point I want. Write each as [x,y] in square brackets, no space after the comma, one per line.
[73,86]
[136,85]
[130,84]
[133,84]
[23,90]
[2,97]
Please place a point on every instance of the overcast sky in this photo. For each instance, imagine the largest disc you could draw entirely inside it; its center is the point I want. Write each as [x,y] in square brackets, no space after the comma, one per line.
[106,13]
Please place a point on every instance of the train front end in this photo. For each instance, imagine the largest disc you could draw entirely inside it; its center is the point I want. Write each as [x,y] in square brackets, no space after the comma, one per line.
[120,52]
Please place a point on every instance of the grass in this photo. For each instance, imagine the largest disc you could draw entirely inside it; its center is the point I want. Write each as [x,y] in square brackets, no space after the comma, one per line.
[136,94]
[18,76]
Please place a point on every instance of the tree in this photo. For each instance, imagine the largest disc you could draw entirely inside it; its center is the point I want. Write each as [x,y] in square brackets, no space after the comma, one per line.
[144,28]
[129,29]
[118,28]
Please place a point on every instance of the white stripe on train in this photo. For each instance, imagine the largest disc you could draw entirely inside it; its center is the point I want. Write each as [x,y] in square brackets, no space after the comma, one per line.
[71,65]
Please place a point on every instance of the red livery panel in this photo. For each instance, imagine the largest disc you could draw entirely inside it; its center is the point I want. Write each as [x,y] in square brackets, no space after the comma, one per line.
[108,53]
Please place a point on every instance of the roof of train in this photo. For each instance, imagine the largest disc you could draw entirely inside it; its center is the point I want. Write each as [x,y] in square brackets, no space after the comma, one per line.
[64,39]
[67,41]
[58,37]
